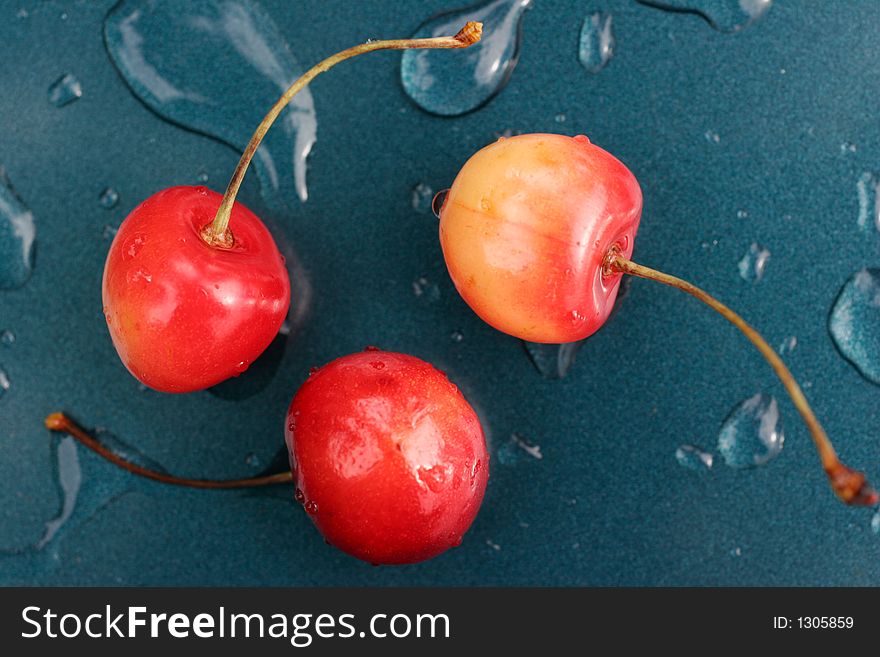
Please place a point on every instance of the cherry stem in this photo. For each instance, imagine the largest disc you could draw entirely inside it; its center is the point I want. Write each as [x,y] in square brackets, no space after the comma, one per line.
[849,485]
[60,422]
[216,234]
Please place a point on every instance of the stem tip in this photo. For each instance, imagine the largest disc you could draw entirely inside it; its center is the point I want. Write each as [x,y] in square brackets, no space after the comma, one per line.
[470,33]
[56,422]
[851,486]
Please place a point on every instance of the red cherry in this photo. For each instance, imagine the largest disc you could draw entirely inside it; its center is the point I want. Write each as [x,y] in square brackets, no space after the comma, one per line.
[388,458]
[194,287]
[184,315]
[525,228]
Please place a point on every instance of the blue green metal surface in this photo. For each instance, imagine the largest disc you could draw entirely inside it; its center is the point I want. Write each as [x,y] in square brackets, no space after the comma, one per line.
[763,132]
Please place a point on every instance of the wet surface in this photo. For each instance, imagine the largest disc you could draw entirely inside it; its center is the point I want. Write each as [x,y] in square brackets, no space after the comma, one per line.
[706,140]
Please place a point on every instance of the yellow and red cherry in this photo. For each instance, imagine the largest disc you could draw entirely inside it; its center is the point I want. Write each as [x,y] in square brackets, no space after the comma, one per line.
[388,458]
[537,231]
[185,313]
[525,228]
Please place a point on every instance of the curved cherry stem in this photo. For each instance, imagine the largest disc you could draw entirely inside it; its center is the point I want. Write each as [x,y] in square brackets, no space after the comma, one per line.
[216,233]
[60,422]
[849,485]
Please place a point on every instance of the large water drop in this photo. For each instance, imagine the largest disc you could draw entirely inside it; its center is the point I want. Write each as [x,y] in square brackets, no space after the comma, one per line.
[453,82]
[753,263]
[17,234]
[752,434]
[156,46]
[854,322]
[869,208]
[69,480]
[553,361]
[596,44]
[723,15]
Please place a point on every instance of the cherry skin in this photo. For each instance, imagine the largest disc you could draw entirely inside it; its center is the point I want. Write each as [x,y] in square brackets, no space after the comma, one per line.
[525,229]
[388,457]
[184,315]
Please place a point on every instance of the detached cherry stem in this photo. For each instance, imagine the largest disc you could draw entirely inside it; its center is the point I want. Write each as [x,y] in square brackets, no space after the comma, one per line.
[60,422]
[216,233]
[849,485]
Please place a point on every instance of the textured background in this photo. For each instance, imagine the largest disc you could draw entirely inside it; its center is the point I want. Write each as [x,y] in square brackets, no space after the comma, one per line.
[607,503]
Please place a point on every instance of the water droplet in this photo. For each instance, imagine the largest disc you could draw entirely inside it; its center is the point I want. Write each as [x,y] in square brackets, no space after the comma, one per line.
[854,322]
[527,446]
[437,478]
[202,177]
[513,451]
[456,336]
[299,496]
[17,235]
[138,275]
[576,317]
[377,365]
[492,545]
[693,458]
[314,370]
[454,82]
[69,480]
[22,13]
[132,246]
[109,232]
[154,45]
[241,365]
[788,345]
[742,214]
[311,507]
[553,361]
[7,338]
[723,15]
[65,90]
[867,187]
[712,137]
[559,118]
[475,469]
[875,522]
[426,290]
[848,147]
[753,263]
[108,198]
[438,201]
[752,434]
[252,460]
[122,449]
[4,381]
[736,552]
[422,198]
[371,348]
[596,45]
